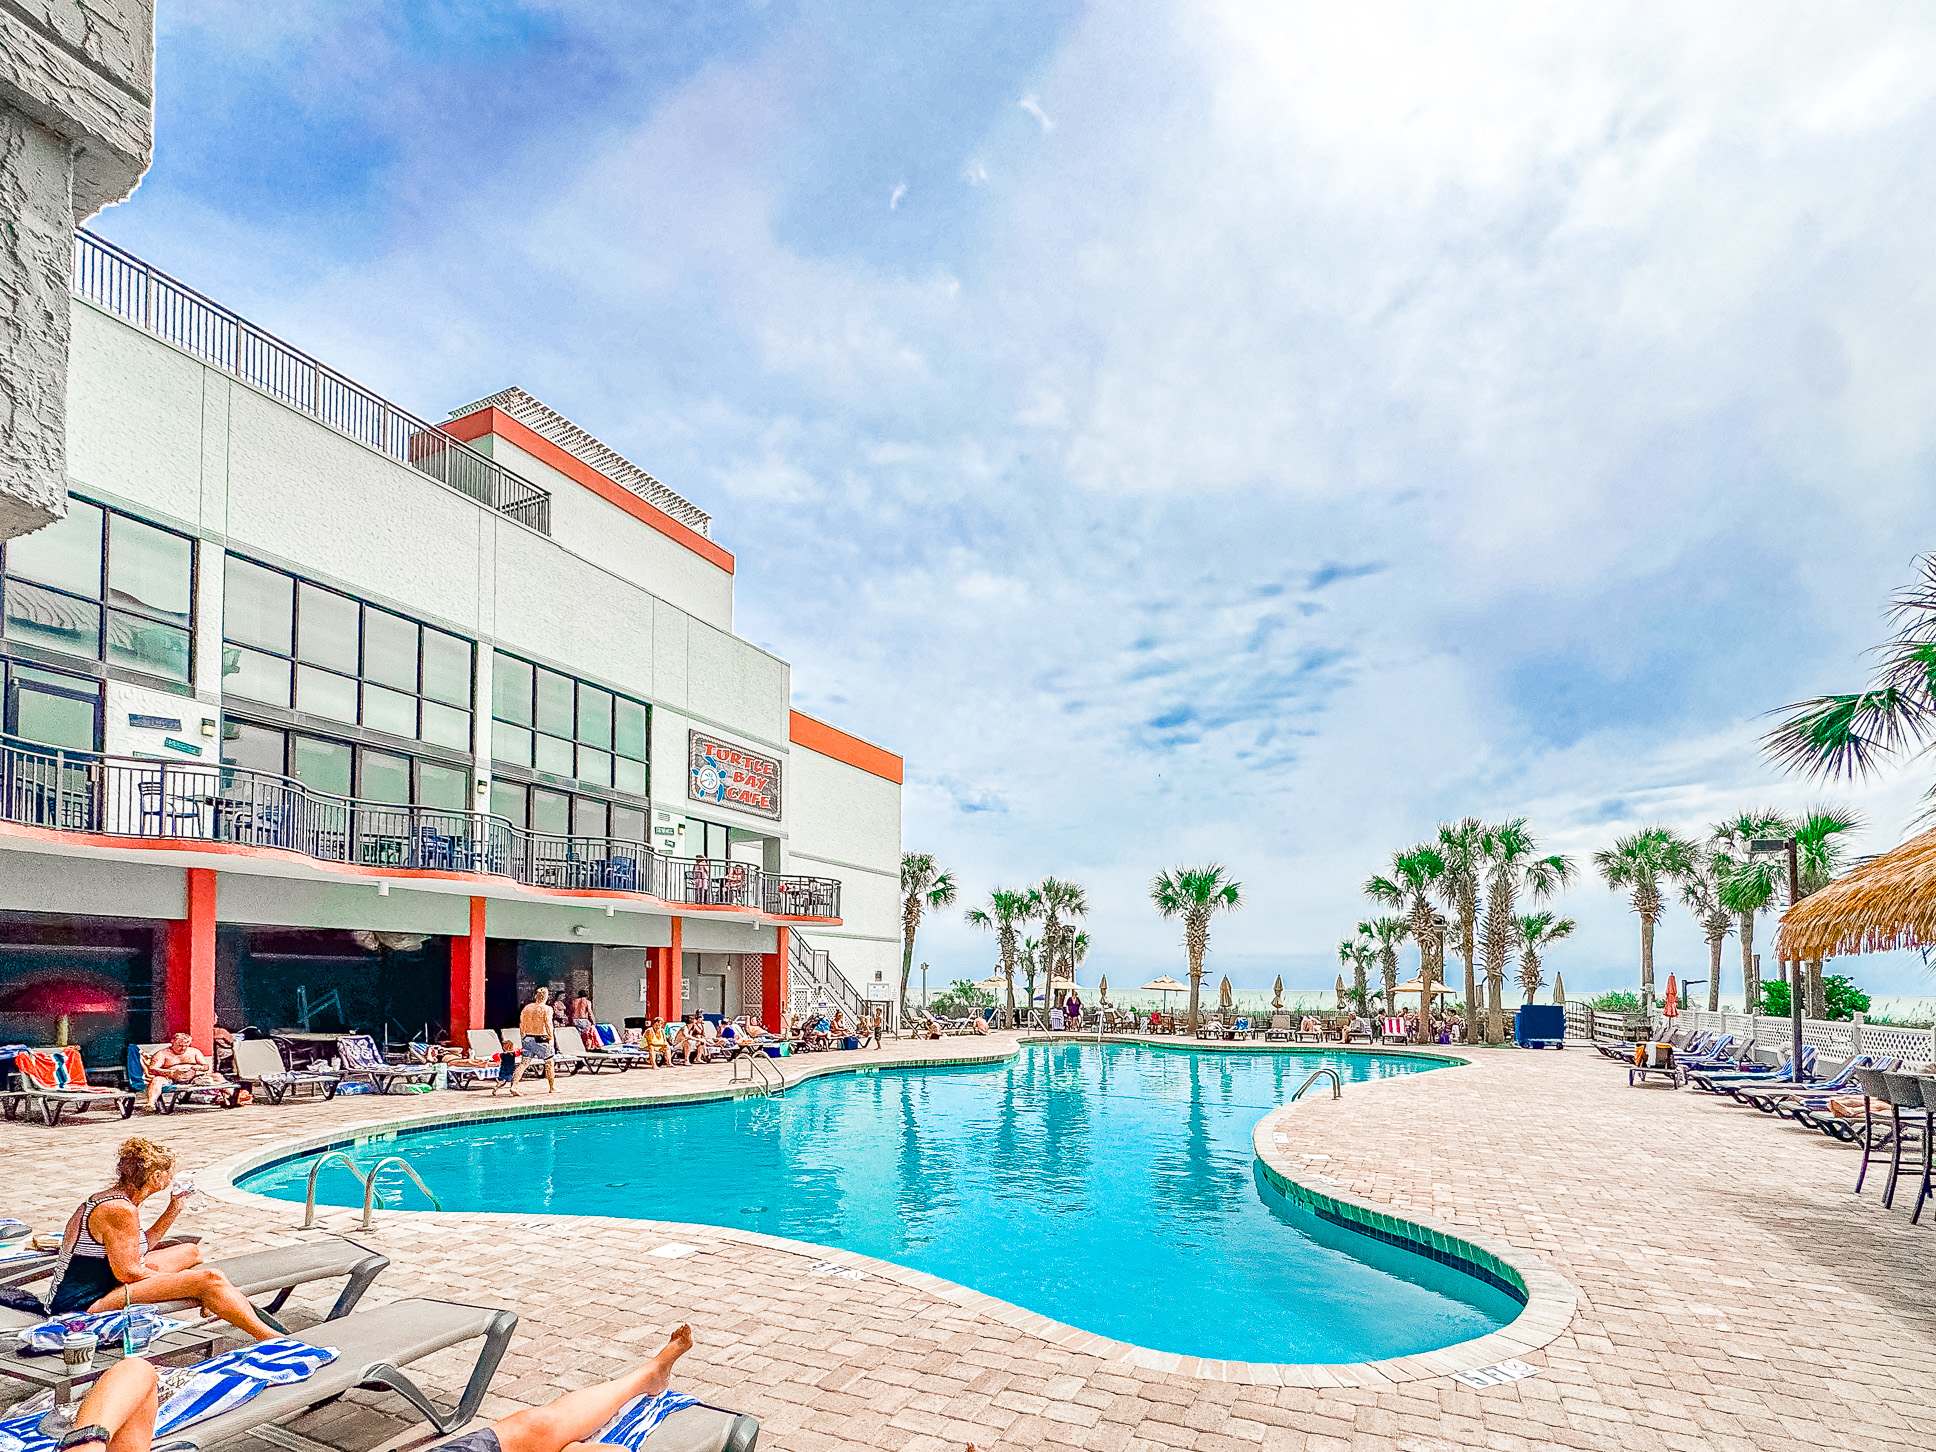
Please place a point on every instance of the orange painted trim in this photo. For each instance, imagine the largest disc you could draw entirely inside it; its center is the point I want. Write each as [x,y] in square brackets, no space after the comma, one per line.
[816,735]
[473,426]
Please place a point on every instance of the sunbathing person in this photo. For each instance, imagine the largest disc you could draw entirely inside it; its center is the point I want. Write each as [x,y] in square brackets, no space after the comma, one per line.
[573,1419]
[105,1261]
[657,1049]
[176,1062]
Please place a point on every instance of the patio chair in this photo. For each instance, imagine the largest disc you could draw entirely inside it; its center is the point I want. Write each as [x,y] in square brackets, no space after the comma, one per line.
[1392,1031]
[55,1081]
[1667,1067]
[210,1091]
[361,1063]
[1910,1121]
[163,813]
[1280,1028]
[260,1065]
[1240,1029]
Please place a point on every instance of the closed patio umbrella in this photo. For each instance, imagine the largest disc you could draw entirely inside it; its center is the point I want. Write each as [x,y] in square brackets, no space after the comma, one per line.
[1559,988]
[1223,996]
[1277,992]
[1341,990]
[1102,990]
[1671,1005]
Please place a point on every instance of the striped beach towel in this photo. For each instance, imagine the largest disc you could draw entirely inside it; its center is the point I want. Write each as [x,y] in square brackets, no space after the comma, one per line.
[637,1418]
[208,1389]
[137,1325]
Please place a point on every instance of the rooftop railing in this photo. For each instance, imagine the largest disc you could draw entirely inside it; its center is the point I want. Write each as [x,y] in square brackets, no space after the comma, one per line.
[122,284]
[142,799]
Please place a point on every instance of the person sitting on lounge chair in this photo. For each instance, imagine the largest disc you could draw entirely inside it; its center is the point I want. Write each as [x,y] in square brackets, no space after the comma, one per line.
[576,1418]
[931,1027]
[977,1025]
[1310,1025]
[688,1044]
[658,1051]
[177,1062]
[105,1260]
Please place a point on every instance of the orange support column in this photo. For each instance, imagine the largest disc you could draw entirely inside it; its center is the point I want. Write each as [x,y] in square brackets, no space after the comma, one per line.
[188,989]
[666,973]
[467,976]
[773,982]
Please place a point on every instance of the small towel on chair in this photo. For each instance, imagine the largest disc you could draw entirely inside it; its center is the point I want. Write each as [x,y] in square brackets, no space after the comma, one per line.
[140,1324]
[637,1418]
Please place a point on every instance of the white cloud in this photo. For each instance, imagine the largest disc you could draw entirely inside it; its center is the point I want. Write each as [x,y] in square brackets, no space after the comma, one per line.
[895,195]
[975,173]
[1033,106]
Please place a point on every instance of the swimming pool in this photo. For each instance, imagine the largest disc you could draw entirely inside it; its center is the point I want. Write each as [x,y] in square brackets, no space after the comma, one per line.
[1138,1212]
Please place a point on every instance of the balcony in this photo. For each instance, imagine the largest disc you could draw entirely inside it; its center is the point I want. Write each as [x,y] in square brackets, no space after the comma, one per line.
[139,800]
[120,283]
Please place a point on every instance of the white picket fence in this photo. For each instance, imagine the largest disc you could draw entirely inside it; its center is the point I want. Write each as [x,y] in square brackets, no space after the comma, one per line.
[1835,1039]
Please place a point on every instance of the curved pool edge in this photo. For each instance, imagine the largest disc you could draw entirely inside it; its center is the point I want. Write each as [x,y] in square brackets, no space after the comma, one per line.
[1549,1304]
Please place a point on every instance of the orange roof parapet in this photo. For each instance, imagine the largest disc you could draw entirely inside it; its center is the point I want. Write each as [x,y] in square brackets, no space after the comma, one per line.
[831,741]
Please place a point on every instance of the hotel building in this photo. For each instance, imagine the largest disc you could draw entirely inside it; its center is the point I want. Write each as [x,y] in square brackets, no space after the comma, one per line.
[318,715]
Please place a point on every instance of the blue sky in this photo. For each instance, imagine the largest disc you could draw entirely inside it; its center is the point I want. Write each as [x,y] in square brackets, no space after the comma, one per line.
[1187,431]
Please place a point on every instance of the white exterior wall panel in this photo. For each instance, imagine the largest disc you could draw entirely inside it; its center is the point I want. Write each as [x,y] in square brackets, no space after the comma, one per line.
[847,825]
[135,418]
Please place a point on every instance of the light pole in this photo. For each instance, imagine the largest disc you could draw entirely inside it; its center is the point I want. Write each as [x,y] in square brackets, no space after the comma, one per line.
[1777,844]
[924,988]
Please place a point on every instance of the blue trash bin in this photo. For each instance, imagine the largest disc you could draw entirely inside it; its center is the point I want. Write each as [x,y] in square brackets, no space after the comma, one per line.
[1540,1026]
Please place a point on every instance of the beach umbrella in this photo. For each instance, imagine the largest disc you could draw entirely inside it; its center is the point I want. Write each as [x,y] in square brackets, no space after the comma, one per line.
[1559,989]
[1415,988]
[996,985]
[1341,990]
[1671,1005]
[1223,996]
[1165,985]
[1277,992]
[61,999]
[1102,990]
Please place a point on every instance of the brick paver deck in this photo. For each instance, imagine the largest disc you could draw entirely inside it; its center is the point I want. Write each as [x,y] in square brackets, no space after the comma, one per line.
[1732,1293]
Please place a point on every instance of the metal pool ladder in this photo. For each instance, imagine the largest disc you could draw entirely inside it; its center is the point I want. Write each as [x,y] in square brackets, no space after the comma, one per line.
[368,1182]
[1337,1084]
[762,1073]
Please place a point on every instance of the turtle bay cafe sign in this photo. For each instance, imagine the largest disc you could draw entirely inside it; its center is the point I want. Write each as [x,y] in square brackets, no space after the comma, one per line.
[731,776]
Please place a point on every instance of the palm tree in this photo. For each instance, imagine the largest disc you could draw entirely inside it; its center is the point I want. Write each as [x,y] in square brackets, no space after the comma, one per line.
[1356,956]
[1380,938]
[1054,901]
[1415,875]
[924,887]
[1007,910]
[1701,891]
[1462,845]
[1748,884]
[1076,951]
[1537,932]
[1194,894]
[1641,863]
[1513,863]
[1820,852]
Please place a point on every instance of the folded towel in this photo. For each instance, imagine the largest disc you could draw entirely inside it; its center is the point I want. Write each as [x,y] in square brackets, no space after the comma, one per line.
[139,1324]
[637,1418]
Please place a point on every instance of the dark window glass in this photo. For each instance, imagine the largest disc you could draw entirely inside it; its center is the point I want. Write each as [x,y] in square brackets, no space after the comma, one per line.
[508,801]
[594,767]
[326,629]
[146,645]
[258,606]
[321,765]
[554,704]
[594,716]
[628,825]
[511,690]
[150,569]
[51,620]
[589,818]
[66,554]
[445,787]
[629,776]
[551,754]
[259,748]
[253,674]
[510,743]
[446,727]
[324,693]
[628,734]
[389,711]
[446,668]
[385,777]
[550,812]
[56,710]
[389,650]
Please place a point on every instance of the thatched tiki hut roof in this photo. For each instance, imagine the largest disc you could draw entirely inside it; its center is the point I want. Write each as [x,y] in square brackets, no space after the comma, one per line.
[1887,902]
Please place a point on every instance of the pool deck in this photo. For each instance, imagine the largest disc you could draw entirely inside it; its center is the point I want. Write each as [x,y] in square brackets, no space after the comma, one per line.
[1722,1287]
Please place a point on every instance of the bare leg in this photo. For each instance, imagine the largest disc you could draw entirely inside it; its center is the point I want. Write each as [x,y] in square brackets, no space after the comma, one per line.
[123,1401]
[576,1415]
[174,1258]
[551,1077]
[204,1285]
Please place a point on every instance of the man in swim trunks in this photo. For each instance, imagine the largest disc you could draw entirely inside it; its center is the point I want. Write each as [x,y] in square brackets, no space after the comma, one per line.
[535,1029]
[177,1062]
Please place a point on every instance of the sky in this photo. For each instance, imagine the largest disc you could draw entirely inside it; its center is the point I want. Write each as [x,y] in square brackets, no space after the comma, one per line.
[1187,432]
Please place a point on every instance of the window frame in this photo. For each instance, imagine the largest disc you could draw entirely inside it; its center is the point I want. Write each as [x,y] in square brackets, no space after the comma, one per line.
[529,775]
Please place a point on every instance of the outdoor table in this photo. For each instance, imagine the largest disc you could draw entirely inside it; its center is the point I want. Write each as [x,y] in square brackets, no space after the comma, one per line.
[50,1370]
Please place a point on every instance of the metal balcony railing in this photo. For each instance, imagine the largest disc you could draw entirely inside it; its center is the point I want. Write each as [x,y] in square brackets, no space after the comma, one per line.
[138,798]
[124,285]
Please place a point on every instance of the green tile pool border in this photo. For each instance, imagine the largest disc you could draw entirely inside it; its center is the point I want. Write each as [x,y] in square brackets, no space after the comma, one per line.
[1547,1300]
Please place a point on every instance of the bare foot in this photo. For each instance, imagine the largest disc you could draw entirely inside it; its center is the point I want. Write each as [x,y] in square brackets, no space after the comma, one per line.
[680,1341]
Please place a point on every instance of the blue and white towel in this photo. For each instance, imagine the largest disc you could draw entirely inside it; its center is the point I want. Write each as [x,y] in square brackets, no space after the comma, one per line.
[636,1419]
[136,1326]
[220,1384]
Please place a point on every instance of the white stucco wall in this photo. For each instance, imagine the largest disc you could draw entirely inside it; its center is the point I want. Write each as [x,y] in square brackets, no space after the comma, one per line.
[846,824]
[89,886]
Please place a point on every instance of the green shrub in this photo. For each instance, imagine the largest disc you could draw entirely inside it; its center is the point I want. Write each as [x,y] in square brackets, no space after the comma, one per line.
[1845,1000]
[1617,1001]
[960,999]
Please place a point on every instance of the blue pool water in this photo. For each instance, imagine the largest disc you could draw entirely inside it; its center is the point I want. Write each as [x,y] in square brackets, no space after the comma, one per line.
[1136,1212]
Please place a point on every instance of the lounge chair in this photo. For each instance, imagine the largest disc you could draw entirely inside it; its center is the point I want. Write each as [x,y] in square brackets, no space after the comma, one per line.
[614,1047]
[1392,1031]
[1280,1028]
[1622,1051]
[1240,1029]
[211,1091]
[278,1270]
[1723,1080]
[54,1081]
[466,1073]
[1769,1097]
[260,1065]
[568,1047]
[361,1062]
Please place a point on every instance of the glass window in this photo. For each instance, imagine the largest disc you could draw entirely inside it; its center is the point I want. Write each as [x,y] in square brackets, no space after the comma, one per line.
[446,787]
[321,765]
[594,715]
[508,801]
[554,703]
[66,554]
[446,668]
[628,825]
[551,754]
[146,645]
[628,733]
[150,569]
[259,748]
[446,727]
[324,693]
[550,812]
[258,605]
[594,767]
[389,711]
[389,649]
[56,710]
[326,628]
[510,743]
[51,620]
[629,776]
[589,817]
[253,674]
[385,777]
[510,689]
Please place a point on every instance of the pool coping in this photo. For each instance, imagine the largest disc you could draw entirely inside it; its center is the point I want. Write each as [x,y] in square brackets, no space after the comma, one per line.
[1549,1304]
